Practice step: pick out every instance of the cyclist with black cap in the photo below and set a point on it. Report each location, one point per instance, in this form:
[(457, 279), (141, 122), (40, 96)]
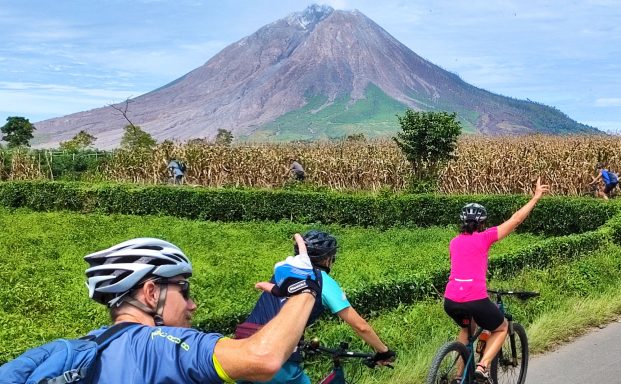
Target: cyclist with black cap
[(466, 292), (321, 248)]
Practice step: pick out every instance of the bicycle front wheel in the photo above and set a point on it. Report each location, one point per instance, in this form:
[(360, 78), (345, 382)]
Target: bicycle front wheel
[(510, 364), (448, 364)]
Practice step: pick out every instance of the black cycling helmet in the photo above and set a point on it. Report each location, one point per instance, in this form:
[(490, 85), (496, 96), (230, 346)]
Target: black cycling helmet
[(473, 212), (319, 245)]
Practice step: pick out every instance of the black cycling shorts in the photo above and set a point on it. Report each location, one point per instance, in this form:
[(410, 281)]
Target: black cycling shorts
[(484, 312)]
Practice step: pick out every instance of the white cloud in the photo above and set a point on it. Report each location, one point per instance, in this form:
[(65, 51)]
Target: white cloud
[(336, 4), (608, 102), (43, 101)]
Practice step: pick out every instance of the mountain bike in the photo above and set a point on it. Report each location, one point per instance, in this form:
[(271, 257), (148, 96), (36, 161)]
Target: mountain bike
[(455, 363), (338, 356)]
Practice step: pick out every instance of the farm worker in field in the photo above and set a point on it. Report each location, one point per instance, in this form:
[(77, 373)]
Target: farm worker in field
[(176, 169), (466, 291), (297, 170), (609, 179), (145, 281), (321, 248)]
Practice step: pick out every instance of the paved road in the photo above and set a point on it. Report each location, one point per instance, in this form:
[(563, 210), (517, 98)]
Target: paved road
[(592, 358)]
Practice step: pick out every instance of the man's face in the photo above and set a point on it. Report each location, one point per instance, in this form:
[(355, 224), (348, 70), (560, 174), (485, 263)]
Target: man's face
[(179, 307)]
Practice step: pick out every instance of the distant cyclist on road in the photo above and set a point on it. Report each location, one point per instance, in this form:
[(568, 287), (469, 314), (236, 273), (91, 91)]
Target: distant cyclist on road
[(321, 248), (609, 179), (145, 281), (466, 292)]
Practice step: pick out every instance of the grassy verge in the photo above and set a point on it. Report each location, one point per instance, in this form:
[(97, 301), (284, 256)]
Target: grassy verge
[(42, 293), (574, 297)]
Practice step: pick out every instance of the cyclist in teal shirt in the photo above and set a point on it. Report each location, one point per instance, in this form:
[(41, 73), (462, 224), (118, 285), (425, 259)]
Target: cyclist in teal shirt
[(145, 281), (321, 248)]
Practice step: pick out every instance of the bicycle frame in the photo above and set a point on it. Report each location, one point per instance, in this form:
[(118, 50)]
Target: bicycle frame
[(337, 375), (469, 365)]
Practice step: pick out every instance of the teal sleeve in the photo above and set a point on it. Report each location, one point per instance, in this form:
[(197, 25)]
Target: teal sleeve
[(332, 296)]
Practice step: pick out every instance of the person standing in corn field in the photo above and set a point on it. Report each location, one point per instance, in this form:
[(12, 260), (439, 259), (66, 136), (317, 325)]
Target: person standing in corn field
[(609, 179), (176, 169), (297, 170)]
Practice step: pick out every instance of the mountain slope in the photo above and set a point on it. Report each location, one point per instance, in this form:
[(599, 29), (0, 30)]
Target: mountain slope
[(317, 73)]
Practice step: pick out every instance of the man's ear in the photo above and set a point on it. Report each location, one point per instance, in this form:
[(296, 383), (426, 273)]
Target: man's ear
[(150, 293)]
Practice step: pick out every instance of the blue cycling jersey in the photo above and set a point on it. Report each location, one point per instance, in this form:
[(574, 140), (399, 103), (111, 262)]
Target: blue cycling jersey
[(147, 354), (609, 177)]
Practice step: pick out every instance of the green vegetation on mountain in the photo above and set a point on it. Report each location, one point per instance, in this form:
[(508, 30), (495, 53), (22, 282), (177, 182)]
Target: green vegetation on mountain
[(373, 116)]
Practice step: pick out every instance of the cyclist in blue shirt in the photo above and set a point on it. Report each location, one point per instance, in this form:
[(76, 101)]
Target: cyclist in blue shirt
[(609, 179), (145, 281), (321, 248), (176, 170)]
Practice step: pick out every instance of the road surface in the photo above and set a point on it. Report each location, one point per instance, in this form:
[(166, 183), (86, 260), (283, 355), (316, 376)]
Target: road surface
[(593, 358)]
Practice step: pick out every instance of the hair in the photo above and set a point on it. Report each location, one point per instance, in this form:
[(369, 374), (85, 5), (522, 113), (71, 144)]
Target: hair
[(471, 227)]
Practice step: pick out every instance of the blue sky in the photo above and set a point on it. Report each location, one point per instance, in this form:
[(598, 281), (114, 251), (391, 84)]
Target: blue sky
[(61, 57)]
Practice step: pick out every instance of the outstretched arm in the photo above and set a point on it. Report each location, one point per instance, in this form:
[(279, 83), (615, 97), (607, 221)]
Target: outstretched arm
[(362, 328), (597, 178), (383, 355), (518, 217), (260, 356)]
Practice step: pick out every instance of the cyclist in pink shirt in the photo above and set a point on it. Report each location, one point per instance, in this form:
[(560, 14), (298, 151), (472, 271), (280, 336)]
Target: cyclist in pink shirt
[(466, 291)]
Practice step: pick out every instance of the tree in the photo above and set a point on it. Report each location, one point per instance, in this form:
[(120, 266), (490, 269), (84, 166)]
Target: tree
[(135, 138), (123, 110), (224, 137), (82, 140), (428, 140), (17, 131)]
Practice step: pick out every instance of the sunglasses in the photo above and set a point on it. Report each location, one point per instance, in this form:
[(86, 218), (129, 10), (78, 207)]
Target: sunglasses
[(184, 284)]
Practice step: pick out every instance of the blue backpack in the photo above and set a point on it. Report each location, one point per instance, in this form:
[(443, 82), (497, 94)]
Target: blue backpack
[(60, 361), (613, 177)]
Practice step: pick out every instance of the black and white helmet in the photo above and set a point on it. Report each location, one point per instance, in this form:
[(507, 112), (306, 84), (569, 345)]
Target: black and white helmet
[(319, 245), (473, 212), (115, 271)]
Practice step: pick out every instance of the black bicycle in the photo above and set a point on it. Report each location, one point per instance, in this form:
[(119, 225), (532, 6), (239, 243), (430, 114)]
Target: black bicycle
[(338, 357), (455, 363)]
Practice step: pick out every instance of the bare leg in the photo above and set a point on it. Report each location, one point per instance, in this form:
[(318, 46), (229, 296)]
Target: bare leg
[(462, 337), (494, 343)]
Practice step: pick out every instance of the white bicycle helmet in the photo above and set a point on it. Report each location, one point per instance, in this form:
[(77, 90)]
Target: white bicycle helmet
[(473, 212), (115, 271)]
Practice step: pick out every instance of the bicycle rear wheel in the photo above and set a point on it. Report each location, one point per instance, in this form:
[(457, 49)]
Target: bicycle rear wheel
[(510, 367), (448, 363)]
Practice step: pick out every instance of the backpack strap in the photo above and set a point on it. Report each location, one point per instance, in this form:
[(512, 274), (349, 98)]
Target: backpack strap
[(112, 333), (102, 341)]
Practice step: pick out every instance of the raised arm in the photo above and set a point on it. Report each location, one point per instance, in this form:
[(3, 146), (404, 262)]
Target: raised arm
[(518, 217), (260, 356)]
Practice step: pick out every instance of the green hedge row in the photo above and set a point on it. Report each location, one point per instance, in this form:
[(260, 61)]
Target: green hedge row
[(553, 216), (583, 218)]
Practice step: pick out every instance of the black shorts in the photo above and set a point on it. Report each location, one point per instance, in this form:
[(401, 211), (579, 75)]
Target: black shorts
[(485, 313), (609, 187)]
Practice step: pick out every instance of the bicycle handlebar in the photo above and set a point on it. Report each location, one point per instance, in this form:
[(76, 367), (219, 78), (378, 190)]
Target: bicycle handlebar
[(522, 295), (314, 346)]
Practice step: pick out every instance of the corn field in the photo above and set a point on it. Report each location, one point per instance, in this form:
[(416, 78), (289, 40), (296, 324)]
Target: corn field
[(483, 164)]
